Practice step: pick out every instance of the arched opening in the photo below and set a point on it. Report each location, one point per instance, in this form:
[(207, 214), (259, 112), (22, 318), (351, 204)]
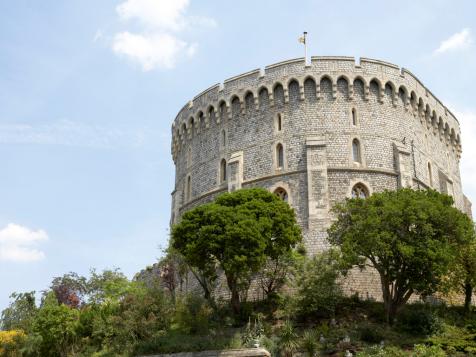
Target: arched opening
[(278, 93), (356, 152), (310, 89), (359, 88), (222, 171), (343, 88), (281, 193), (354, 117), (249, 101), (263, 98), (326, 88), (279, 156), (360, 191), (430, 175), (293, 90)]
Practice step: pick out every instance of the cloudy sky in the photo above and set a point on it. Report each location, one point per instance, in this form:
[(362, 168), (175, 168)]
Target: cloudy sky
[(89, 89)]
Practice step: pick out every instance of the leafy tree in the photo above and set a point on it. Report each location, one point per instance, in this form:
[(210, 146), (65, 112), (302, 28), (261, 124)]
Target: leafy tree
[(410, 238), (57, 324), (20, 313), (109, 285), (237, 233), (69, 289)]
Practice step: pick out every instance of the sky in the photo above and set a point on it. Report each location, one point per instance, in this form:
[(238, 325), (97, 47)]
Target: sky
[(89, 90)]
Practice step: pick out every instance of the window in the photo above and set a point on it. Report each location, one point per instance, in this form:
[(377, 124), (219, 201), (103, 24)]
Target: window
[(222, 171), (279, 156), (223, 138), (281, 193), (354, 117), (430, 175), (360, 191), (279, 122), (356, 155), (188, 191)]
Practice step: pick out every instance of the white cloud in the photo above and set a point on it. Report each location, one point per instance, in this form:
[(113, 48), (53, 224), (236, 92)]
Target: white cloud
[(18, 244), (151, 51), (159, 14), (459, 40), (160, 44)]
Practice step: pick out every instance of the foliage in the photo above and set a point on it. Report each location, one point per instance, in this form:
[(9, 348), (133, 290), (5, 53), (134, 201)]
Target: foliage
[(309, 342), (455, 339), (193, 314), (288, 340), (428, 351), (237, 233), (319, 291), (410, 238), (377, 351), (69, 289), (20, 312), (56, 324), (371, 333), (419, 319), (11, 342)]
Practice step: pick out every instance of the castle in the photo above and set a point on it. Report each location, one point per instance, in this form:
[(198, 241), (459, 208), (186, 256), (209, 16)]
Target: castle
[(315, 133)]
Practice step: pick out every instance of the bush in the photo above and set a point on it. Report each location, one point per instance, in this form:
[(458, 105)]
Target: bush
[(420, 320), (377, 351), (319, 292), (428, 351), (11, 342), (193, 314), (455, 339), (371, 334)]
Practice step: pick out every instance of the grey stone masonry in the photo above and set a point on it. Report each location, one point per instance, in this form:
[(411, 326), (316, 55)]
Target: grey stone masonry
[(315, 134)]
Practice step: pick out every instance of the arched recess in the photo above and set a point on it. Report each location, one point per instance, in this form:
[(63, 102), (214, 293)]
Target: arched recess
[(389, 92), (263, 96), (356, 151), (359, 88), (222, 109), (293, 91), (188, 189), (310, 89), (430, 175), (222, 171), (249, 102), (211, 114), (326, 88), (278, 94), (235, 106), (403, 95), (343, 88), (374, 89), (279, 156)]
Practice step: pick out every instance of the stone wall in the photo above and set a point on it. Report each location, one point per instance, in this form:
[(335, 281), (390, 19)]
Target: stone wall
[(406, 138)]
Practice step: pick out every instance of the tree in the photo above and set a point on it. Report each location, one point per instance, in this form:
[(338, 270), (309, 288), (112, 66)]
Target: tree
[(410, 238), (20, 313), (69, 289), (236, 233)]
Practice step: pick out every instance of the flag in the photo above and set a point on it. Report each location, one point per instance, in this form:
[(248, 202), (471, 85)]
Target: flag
[(302, 39)]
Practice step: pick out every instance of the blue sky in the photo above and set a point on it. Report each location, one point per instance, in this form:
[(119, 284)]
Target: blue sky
[(89, 89)]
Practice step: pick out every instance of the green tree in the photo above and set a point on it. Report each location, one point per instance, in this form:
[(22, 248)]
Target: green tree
[(20, 313), (410, 237), (57, 325), (237, 233)]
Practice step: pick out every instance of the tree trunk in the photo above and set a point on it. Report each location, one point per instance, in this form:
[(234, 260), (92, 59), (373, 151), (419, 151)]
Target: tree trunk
[(235, 294), (468, 294)]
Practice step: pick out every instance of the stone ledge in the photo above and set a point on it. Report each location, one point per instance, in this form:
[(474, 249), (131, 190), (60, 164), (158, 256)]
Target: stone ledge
[(244, 352)]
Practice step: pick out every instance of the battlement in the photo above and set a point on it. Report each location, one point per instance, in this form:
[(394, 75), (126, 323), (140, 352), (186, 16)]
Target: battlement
[(216, 102)]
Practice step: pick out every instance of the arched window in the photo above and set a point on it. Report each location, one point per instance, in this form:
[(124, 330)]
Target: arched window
[(430, 175), (354, 117), (281, 193), (279, 122), (360, 191), (222, 171), (279, 156), (356, 154), (188, 191), (223, 138)]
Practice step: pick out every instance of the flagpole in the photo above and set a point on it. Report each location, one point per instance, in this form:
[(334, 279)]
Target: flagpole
[(305, 49)]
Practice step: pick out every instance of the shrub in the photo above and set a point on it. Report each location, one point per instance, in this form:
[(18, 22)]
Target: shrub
[(419, 319), (318, 289), (288, 340), (193, 314), (11, 342), (309, 342), (377, 351), (428, 351), (455, 339), (371, 333)]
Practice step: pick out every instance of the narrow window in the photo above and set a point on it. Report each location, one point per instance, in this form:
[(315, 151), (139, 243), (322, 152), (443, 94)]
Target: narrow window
[(279, 156), (223, 138), (356, 155), (360, 191), (279, 122), (188, 192), (354, 117), (430, 175), (281, 193), (223, 170)]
